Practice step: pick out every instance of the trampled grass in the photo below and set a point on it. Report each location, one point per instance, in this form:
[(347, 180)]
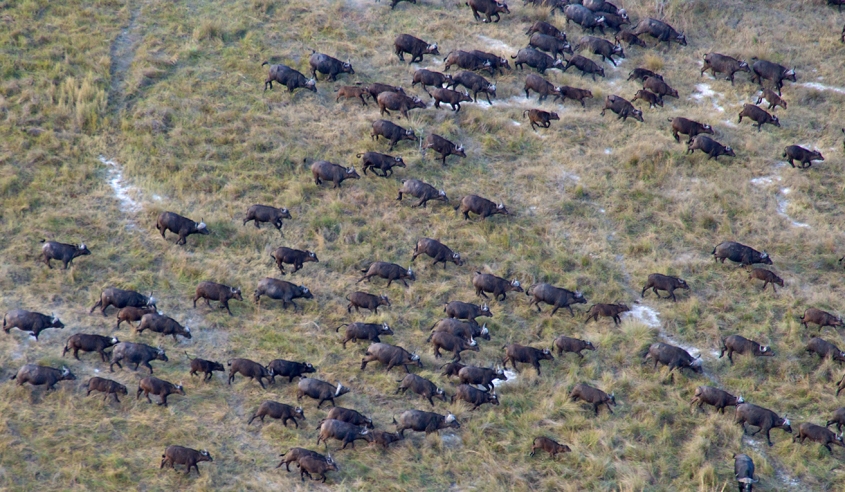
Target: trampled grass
[(171, 93)]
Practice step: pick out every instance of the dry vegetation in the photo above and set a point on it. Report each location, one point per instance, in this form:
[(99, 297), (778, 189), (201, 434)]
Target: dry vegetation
[(171, 92)]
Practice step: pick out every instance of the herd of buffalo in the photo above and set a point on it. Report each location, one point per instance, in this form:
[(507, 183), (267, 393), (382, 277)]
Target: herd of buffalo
[(459, 331)]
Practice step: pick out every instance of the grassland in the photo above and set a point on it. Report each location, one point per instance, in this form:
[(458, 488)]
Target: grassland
[(171, 93)]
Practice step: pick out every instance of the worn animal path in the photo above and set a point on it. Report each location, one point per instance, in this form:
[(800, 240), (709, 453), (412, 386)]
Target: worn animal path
[(122, 54)]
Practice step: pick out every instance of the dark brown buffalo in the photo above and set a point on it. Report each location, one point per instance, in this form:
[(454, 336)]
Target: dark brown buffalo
[(451, 343), (295, 454), (480, 206), (266, 213), (462, 329), (385, 438), (825, 349), (405, 43), (554, 296), (131, 313), (349, 416), (628, 37), (718, 63), (688, 127), (319, 390), (540, 118), (429, 77), (217, 292), (276, 410), (584, 17), (161, 388), (716, 397), (485, 282), (475, 397), (475, 83), (183, 226), (536, 59), (89, 343), (660, 31), (541, 86), (120, 299), (642, 74), (549, 44), (40, 375), (467, 311), (165, 325), (206, 367), (450, 97), (309, 465), (608, 311), (710, 147), (365, 331), (442, 146), (742, 346), (819, 434), (65, 253), (526, 355), (744, 472), (135, 353), (387, 271), (328, 171), (802, 155), (773, 99), (657, 281), (329, 66), (395, 101), (421, 190), (351, 92), (762, 418), (106, 386), (622, 107), (573, 93), (651, 98), (821, 318), (30, 321), (550, 446), (436, 250), (547, 29), (383, 162), (289, 369), (481, 376), (602, 47), (615, 21), (673, 357), (342, 431), (428, 422), (390, 356), (451, 369), (739, 253), (288, 77), (838, 418), (758, 115), (291, 256), (178, 455), (467, 61), (490, 8), (564, 343), (281, 291), (249, 369), (767, 276), (365, 300), (420, 386), (497, 63), (659, 87), (763, 69), (594, 396), (392, 132), (376, 88)]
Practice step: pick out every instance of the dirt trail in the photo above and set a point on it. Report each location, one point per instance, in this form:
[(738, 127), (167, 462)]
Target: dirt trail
[(122, 53)]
